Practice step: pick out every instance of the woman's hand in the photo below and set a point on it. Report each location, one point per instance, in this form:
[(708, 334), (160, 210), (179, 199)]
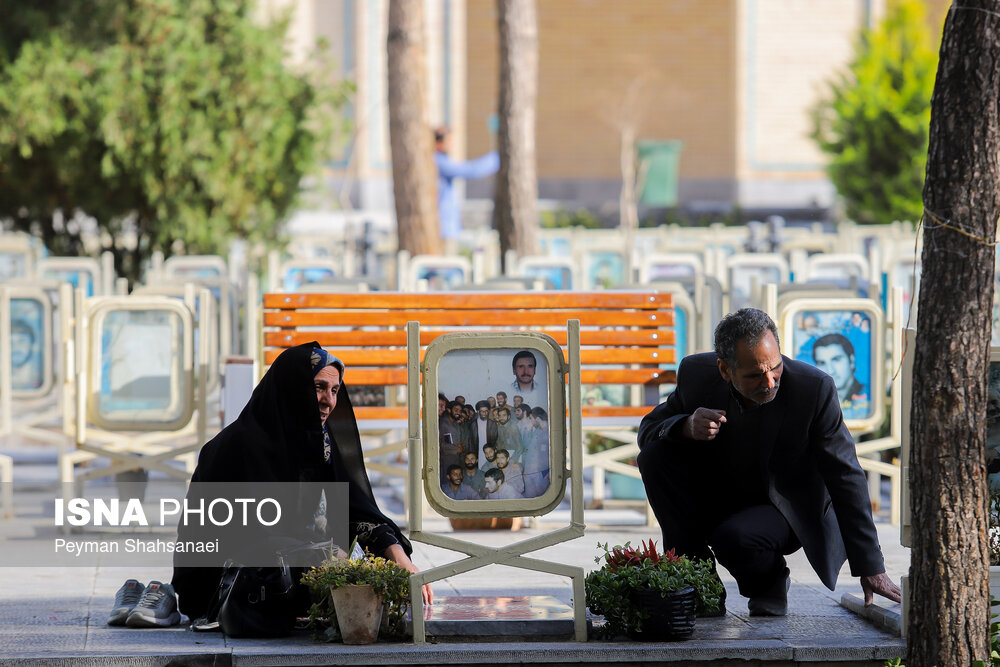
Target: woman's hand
[(396, 554)]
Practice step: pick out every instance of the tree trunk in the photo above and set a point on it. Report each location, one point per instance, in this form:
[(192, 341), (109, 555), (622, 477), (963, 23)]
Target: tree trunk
[(414, 176), (949, 582), (515, 214)]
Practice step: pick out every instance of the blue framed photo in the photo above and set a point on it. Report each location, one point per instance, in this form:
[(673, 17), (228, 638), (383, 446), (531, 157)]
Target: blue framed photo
[(605, 269), (441, 277), (13, 265), (78, 278), (305, 275), (842, 338), (141, 359), (561, 277), (27, 345)]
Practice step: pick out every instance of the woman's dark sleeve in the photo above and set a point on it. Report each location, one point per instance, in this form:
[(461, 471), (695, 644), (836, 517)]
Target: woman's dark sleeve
[(374, 537)]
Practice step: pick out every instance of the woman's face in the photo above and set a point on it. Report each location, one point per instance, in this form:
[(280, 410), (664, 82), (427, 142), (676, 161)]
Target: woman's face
[(327, 384)]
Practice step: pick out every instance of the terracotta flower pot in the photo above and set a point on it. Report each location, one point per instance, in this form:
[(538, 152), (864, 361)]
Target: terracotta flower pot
[(359, 613)]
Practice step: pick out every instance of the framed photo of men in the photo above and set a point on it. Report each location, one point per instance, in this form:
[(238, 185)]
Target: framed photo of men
[(845, 338), (494, 424)]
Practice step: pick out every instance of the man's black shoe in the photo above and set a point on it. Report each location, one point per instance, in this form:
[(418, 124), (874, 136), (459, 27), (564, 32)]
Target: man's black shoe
[(773, 604)]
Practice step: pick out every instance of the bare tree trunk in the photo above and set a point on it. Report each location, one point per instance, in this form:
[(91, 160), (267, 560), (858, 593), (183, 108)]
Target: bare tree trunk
[(950, 612), (515, 206), (414, 177)]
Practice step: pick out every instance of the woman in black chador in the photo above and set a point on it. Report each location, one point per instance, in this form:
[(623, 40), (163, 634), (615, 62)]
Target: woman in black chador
[(298, 426)]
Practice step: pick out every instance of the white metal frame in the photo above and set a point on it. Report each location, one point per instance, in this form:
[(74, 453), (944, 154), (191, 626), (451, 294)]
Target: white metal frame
[(149, 445), (512, 555)]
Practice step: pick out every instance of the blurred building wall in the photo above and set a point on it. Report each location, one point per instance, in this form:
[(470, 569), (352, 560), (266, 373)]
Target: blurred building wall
[(734, 80)]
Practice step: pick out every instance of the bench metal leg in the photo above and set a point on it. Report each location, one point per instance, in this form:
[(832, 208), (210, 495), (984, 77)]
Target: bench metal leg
[(6, 486)]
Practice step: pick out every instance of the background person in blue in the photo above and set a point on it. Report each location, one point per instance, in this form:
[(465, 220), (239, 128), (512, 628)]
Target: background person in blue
[(448, 171)]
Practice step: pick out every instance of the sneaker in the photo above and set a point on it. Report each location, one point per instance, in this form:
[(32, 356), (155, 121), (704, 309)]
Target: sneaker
[(126, 599), (156, 609)]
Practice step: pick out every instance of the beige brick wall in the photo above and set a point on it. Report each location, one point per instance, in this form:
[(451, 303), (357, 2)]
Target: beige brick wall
[(591, 52)]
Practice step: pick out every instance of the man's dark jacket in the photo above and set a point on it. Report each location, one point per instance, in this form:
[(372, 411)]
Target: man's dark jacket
[(813, 474), (492, 435)]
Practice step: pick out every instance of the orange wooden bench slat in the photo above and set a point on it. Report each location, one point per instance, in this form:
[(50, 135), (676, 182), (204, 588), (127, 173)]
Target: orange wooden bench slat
[(612, 355), (470, 318), (397, 376), (470, 300), (591, 411), (397, 338)]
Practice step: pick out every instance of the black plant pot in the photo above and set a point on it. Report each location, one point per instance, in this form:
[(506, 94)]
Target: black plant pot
[(669, 618)]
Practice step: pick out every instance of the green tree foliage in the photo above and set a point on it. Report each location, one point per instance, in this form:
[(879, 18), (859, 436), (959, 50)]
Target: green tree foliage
[(874, 123), (161, 120)]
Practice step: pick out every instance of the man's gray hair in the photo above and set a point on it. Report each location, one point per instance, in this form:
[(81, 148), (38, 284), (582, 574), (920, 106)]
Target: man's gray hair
[(746, 324)]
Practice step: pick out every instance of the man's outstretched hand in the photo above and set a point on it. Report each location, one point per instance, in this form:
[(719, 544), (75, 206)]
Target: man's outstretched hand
[(881, 584)]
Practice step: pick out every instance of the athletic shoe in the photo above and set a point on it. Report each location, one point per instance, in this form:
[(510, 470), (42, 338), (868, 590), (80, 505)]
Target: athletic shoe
[(156, 609), (126, 599)]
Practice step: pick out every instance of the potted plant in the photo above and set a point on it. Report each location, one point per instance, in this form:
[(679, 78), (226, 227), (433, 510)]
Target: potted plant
[(650, 596), (354, 598)]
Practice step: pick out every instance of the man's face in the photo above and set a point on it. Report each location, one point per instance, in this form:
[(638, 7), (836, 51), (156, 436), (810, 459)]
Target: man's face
[(524, 369), (490, 454), (491, 401), (484, 412), (442, 406), (456, 412), (491, 485), (471, 461), (501, 400), (503, 416), (758, 372), (517, 401), (501, 461), (469, 412), (833, 360), (455, 476), (327, 384), (519, 413), (538, 422)]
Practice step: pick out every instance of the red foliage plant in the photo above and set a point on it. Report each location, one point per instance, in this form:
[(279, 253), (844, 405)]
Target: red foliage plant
[(631, 556)]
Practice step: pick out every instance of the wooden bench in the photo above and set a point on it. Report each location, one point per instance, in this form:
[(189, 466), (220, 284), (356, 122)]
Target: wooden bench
[(627, 339)]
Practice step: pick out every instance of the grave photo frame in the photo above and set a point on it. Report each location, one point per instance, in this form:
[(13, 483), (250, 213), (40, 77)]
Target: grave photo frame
[(482, 363), (666, 267), (560, 271), (80, 272), (119, 332), (30, 342), (438, 272), (849, 336)]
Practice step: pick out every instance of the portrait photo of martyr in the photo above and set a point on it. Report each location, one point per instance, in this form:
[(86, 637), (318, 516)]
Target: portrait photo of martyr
[(840, 344), (27, 344)]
